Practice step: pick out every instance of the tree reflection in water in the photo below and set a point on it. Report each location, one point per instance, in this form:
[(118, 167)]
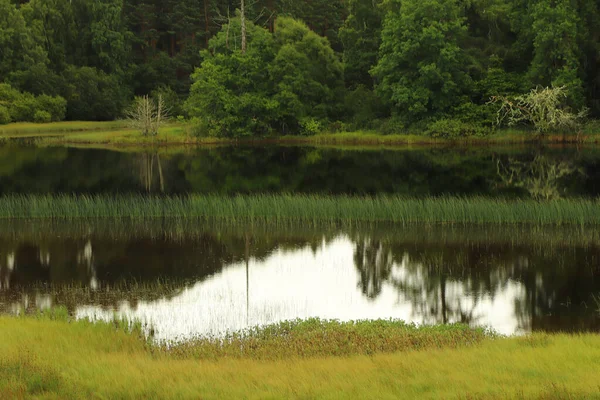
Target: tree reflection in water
[(539, 280), (147, 174), (290, 169), (541, 177), (553, 288), (374, 263)]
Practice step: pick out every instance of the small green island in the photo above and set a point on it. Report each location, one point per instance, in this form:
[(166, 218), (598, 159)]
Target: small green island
[(312, 199)]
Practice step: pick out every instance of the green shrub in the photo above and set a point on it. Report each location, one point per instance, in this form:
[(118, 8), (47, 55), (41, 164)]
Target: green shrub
[(392, 126), (471, 113), (310, 126), (364, 106), (23, 106), (42, 117), (4, 115), (93, 95), (453, 129), (197, 128), (337, 126), (55, 106)]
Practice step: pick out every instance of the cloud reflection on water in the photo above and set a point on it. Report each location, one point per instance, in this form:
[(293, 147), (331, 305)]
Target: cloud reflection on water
[(304, 283)]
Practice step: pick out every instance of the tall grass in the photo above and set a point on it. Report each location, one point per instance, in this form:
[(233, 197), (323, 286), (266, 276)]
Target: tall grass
[(178, 229), (57, 359), (309, 209)]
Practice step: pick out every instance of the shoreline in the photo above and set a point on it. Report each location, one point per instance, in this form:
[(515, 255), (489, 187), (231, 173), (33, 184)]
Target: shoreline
[(116, 134)]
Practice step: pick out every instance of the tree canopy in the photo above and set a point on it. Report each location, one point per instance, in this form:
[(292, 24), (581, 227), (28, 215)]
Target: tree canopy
[(311, 64)]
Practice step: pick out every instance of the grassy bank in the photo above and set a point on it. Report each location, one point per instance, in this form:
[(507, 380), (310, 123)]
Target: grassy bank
[(308, 209), (117, 133), (58, 359), (30, 129)]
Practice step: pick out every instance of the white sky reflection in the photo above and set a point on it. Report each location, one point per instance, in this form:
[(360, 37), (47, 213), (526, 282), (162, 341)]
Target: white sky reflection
[(291, 284)]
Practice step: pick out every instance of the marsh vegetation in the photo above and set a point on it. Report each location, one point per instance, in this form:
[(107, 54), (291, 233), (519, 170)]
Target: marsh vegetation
[(108, 361), (250, 270)]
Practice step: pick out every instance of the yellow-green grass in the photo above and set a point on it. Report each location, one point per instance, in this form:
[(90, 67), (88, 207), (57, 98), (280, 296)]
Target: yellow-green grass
[(56, 359), (126, 136), (117, 134), (29, 129), (309, 209), (502, 136), (177, 134)]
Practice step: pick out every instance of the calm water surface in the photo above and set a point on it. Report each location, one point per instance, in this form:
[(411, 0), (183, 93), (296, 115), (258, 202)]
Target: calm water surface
[(536, 172), (184, 279)]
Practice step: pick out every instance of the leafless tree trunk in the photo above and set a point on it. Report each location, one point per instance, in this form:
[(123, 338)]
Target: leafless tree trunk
[(243, 22), (147, 115)]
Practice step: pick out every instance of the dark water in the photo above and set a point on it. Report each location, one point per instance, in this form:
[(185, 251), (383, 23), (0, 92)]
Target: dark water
[(535, 172), (191, 278), (187, 278)]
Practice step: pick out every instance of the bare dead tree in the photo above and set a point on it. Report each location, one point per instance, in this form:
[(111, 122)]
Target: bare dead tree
[(544, 108), (147, 115)]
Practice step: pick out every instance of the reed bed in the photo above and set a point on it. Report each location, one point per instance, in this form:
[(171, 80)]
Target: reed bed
[(308, 209), (43, 230)]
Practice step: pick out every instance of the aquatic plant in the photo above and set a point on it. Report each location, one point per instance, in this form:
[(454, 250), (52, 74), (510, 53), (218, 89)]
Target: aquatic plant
[(308, 209)]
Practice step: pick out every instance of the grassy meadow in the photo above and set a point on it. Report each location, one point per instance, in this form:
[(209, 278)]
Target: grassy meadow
[(29, 129), (119, 134), (55, 358), (307, 208)]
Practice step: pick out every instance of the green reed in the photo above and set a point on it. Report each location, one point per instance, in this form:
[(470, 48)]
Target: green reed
[(306, 208)]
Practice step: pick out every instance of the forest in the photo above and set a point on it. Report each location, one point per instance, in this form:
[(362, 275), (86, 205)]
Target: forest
[(276, 67)]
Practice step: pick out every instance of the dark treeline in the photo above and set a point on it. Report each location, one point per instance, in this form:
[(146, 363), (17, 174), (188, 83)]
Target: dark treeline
[(309, 65), (99, 54)]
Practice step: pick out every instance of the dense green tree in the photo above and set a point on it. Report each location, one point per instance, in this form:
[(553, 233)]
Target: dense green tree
[(19, 47), (417, 61), (555, 30), (231, 94), (421, 69), (286, 82), (361, 36), (306, 74), (93, 94)]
